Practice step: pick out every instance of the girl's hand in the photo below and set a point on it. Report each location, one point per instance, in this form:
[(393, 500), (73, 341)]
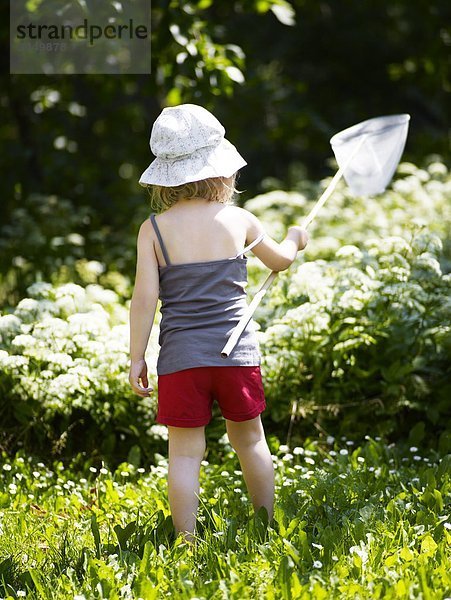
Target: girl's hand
[(303, 237), (138, 371)]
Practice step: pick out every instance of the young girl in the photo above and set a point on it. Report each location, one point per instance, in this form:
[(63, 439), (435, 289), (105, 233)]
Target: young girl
[(191, 256)]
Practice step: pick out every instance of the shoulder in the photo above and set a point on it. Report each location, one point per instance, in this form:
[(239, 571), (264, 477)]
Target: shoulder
[(146, 232), (146, 227), (253, 226), (246, 217)]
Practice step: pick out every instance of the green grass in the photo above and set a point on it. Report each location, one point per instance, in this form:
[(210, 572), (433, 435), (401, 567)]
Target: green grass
[(366, 520)]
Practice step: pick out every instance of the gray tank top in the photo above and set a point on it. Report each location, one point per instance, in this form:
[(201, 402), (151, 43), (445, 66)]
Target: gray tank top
[(201, 302)]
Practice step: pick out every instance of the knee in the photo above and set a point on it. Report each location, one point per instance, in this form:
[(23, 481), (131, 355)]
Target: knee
[(243, 437), (189, 445)]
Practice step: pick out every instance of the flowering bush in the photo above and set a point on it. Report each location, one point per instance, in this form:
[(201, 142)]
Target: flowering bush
[(417, 198), (364, 335), (64, 362), (50, 239), (359, 325)]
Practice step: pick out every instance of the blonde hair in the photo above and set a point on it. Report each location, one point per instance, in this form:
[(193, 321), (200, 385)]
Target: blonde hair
[(214, 189)]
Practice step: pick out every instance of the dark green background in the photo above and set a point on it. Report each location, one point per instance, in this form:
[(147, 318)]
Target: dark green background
[(340, 63)]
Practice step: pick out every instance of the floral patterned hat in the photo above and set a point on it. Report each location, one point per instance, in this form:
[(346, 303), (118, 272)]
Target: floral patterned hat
[(189, 145)]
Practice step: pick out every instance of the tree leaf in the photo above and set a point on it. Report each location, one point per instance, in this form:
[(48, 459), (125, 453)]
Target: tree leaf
[(284, 13)]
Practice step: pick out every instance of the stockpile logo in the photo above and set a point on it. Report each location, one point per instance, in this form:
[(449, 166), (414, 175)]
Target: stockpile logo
[(80, 36)]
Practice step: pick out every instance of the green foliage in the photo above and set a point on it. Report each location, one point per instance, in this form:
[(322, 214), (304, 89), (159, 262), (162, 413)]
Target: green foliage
[(363, 337), (64, 365), (361, 330), (267, 68), (418, 197), (48, 239), (190, 49), (351, 520)]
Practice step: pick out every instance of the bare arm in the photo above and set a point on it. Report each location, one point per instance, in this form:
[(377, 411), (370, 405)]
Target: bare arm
[(276, 256), (142, 308)]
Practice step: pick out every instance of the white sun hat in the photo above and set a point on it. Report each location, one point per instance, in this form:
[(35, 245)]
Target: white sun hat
[(189, 145)]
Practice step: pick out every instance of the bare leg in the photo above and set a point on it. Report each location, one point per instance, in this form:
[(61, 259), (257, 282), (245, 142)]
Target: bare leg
[(248, 440), (186, 450)]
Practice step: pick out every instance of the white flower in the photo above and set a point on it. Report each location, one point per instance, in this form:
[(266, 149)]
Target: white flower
[(344, 452), (353, 299), (396, 244), (50, 327), (427, 242), (60, 359), (27, 307), (75, 239), (70, 298), (311, 280), (298, 450), (96, 293), (360, 551), (350, 251), (71, 385), (13, 361), (95, 267), (70, 289), (23, 340), (159, 432), (40, 289), (94, 322), (437, 168), (428, 262), (284, 448), (317, 564), (9, 325)]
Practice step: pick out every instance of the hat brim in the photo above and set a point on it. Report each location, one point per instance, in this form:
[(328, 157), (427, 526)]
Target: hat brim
[(222, 161)]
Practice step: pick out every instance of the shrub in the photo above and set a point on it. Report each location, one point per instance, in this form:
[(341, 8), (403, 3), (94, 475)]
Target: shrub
[(418, 197), (355, 339), (64, 365), (50, 239), (362, 338)]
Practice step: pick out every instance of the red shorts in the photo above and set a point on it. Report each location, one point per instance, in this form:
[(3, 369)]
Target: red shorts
[(185, 398)]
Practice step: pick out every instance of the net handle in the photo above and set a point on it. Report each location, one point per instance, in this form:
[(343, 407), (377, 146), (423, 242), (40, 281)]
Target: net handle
[(246, 317)]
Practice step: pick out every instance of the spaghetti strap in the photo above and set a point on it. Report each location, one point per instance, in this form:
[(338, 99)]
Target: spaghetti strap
[(160, 239), (252, 244)]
